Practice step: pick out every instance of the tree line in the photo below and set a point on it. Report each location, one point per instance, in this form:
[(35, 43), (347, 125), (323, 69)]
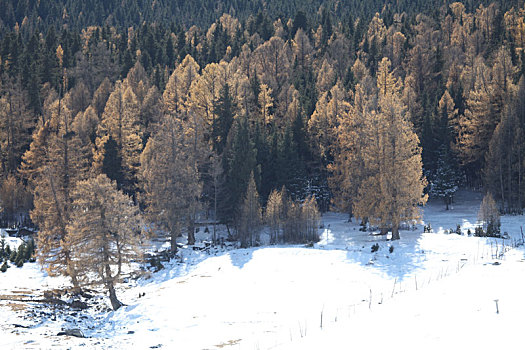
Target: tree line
[(81, 14)]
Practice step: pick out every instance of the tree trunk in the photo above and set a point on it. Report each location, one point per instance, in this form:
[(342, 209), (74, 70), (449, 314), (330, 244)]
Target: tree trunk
[(350, 213), (191, 233), (228, 230), (107, 276), (510, 193), (214, 211), (395, 233), (519, 176), (173, 238), (74, 280), (502, 184), (115, 303), (519, 163), (119, 261)]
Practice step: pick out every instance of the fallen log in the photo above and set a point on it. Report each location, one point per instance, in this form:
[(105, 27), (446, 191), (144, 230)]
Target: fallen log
[(74, 332)]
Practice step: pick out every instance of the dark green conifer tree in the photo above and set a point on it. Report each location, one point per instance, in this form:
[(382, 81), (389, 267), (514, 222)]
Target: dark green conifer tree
[(112, 163), (224, 110), (445, 178), (239, 161)]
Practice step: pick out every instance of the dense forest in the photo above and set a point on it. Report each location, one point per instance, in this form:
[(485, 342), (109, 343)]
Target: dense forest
[(130, 13), (254, 112)]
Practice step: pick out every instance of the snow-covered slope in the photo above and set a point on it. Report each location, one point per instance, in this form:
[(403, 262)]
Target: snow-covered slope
[(433, 290), (457, 312)]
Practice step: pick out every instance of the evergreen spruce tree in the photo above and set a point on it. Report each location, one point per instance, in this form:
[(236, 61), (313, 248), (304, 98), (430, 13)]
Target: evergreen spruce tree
[(445, 179), (250, 216), (112, 162), (291, 171), (224, 111), (239, 162)]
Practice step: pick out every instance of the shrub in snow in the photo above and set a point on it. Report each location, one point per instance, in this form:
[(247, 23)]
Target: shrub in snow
[(24, 253), (21, 252), (391, 249), (478, 232), (490, 232), (493, 229), (2, 249), (375, 248), (458, 230), (12, 256), (155, 263), (29, 249), (4, 267), (7, 251)]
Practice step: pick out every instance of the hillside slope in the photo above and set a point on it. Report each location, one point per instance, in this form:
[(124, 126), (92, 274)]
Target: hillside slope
[(434, 288)]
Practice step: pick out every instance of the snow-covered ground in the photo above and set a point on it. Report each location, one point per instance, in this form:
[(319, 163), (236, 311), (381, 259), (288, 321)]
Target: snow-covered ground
[(434, 290)]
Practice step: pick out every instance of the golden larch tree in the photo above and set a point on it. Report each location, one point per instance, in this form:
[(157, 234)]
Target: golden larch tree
[(104, 233), (177, 92), (274, 213), (347, 170), (393, 188), (120, 122), (53, 165), (302, 48), (266, 102), (16, 119), (331, 107), (171, 179)]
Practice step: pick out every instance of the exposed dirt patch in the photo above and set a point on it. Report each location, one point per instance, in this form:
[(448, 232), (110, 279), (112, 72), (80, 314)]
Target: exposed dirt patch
[(15, 297), (27, 292), (16, 306), (229, 343)]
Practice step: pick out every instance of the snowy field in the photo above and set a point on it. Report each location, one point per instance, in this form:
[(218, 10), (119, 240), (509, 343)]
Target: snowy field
[(433, 291)]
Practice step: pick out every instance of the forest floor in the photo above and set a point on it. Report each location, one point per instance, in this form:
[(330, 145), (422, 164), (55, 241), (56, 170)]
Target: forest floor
[(430, 290)]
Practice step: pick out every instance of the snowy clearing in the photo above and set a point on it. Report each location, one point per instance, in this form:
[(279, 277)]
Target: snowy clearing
[(433, 290)]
